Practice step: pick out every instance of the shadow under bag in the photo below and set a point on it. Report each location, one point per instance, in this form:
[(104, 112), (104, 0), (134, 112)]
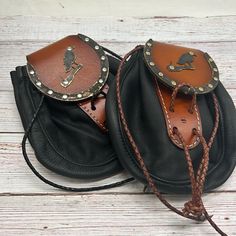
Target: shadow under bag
[(172, 123), (60, 95)]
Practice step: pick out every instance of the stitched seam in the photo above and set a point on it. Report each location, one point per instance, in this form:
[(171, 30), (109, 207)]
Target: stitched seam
[(94, 118), (169, 123)]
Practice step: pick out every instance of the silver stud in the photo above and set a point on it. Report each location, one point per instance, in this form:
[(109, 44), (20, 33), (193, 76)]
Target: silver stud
[(31, 72), (160, 74), (104, 69), (171, 67), (215, 69), (103, 58), (69, 48), (96, 47), (201, 89), (65, 82), (215, 78), (86, 39), (210, 85), (148, 53), (100, 81), (191, 53), (39, 83), (79, 95), (210, 59), (152, 63), (149, 44), (64, 96), (50, 92), (173, 82)]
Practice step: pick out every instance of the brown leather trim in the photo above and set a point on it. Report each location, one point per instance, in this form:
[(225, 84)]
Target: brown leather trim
[(180, 118), (98, 115)]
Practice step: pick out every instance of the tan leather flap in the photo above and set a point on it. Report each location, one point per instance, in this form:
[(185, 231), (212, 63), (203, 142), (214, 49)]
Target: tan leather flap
[(71, 69), (174, 65)]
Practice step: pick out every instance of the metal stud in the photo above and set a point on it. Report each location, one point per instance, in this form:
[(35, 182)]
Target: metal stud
[(191, 53), (103, 58), (210, 85), (148, 53), (96, 47), (100, 81), (173, 82), (104, 69), (210, 59), (201, 89), (160, 74), (215, 78), (50, 92), (86, 39), (38, 83), (152, 63), (171, 67), (65, 82), (64, 96), (215, 69), (69, 48), (79, 95), (31, 72), (149, 44)]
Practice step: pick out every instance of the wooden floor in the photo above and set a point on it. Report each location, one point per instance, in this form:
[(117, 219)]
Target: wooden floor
[(29, 207)]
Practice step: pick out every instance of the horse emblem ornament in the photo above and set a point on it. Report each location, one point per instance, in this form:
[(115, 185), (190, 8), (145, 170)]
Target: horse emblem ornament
[(184, 63), (71, 66)]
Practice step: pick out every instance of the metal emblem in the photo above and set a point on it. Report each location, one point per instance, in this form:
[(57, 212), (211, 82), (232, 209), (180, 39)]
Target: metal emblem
[(185, 62), (71, 66)]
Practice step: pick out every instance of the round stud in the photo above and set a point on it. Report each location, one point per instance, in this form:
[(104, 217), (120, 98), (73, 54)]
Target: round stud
[(64, 96), (152, 63), (50, 92), (65, 82), (38, 83), (215, 69), (103, 58), (69, 48), (160, 74), (31, 72), (148, 53), (210, 59), (171, 67), (79, 95), (191, 53), (201, 89), (173, 82), (86, 39), (215, 78), (100, 81), (210, 85), (104, 69), (96, 47), (149, 44)]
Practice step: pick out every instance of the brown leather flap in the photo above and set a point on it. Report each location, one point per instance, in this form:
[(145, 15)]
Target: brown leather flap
[(71, 69), (174, 65)]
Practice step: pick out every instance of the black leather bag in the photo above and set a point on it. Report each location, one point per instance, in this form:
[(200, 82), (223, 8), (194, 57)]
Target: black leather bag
[(68, 134), (172, 123)]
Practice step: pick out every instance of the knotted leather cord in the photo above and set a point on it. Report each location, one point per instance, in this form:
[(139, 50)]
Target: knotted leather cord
[(196, 184), (25, 155)]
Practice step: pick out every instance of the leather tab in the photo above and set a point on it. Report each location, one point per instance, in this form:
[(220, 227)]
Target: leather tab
[(97, 115), (174, 65)]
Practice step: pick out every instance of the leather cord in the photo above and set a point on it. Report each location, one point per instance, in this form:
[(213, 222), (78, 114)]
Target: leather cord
[(198, 214)]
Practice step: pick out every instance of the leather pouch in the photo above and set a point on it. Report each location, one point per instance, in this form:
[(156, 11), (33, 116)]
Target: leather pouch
[(60, 95), (172, 123)]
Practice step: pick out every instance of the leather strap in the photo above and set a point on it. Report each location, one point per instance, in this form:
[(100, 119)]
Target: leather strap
[(97, 114)]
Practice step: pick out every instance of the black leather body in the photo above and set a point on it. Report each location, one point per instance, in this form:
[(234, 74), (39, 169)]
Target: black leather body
[(64, 137), (164, 160)]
